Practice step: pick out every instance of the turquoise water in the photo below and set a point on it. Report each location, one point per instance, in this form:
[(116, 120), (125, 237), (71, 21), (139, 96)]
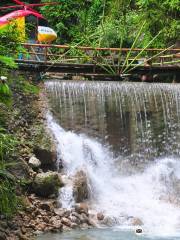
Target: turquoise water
[(101, 234)]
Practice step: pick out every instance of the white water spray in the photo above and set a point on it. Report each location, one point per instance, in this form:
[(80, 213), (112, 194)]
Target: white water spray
[(151, 195)]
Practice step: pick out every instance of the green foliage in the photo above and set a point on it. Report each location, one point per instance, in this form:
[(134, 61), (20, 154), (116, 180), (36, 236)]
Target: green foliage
[(9, 40), (9, 45), (7, 147), (5, 93), (24, 86), (3, 115), (4, 89), (27, 87), (161, 16), (115, 23), (9, 61), (64, 18), (30, 88), (8, 200)]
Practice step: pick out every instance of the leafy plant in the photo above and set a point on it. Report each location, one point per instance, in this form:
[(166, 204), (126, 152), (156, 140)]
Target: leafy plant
[(8, 200), (10, 39)]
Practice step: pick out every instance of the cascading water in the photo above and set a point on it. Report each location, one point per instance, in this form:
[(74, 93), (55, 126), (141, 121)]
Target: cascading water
[(126, 138)]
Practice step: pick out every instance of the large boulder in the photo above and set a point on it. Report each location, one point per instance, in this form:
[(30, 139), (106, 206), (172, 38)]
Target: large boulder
[(80, 187), (44, 148), (46, 184), (46, 156)]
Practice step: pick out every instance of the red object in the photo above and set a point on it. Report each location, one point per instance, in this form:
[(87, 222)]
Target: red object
[(18, 2), (23, 4), (27, 10), (29, 5), (17, 14)]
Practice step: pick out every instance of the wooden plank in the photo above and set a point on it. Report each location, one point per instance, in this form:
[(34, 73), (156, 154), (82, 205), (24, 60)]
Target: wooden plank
[(91, 68), (99, 48)]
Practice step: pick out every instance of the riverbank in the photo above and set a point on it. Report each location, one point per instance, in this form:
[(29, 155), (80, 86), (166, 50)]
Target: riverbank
[(37, 179)]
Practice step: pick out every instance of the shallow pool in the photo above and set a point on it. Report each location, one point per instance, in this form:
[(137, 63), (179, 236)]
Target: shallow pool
[(102, 234)]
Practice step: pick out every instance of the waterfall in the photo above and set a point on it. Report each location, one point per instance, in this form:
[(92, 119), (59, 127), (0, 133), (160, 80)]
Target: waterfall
[(136, 173)]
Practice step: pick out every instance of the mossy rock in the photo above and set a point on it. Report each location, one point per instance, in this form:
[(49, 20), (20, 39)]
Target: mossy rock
[(46, 184), (44, 148)]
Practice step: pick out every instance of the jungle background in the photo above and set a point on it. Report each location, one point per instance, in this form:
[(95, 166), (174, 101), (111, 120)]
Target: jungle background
[(112, 23)]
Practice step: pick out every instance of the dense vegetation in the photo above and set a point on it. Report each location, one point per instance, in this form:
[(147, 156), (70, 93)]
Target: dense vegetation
[(8, 201), (115, 22)]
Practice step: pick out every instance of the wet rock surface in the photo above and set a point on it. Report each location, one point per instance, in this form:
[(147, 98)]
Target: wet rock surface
[(46, 184), (100, 216), (47, 156), (42, 215), (80, 187), (136, 221)]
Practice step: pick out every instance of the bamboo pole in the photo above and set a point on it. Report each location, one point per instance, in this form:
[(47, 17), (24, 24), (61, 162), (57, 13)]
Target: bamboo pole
[(140, 64), (97, 48), (140, 52)]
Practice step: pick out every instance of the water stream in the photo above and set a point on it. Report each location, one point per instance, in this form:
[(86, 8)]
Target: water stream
[(126, 138)]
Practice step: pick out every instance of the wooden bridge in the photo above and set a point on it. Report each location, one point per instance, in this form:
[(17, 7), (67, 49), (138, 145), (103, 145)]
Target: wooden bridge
[(98, 61)]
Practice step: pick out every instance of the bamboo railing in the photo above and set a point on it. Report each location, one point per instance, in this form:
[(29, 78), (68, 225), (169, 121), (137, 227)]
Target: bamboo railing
[(113, 60)]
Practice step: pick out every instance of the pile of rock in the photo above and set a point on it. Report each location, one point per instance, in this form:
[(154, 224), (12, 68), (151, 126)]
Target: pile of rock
[(45, 216)]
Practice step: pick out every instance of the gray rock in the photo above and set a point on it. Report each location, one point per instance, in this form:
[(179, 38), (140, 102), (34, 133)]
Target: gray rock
[(108, 221), (48, 206), (3, 236), (80, 187), (66, 228), (67, 213), (54, 219), (44, 148), (136, 222), (92, 223), (81, 208), (100, 216), (75, 214), (60, 212), (75, 218), (47, 157), (84, 218), (66, 222), (74, 225), (58, 224), (34, 162), (84, 226), (46, 184)]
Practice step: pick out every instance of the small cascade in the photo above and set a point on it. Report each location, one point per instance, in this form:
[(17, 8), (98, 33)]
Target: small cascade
[(125, 137), (138, 118)]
